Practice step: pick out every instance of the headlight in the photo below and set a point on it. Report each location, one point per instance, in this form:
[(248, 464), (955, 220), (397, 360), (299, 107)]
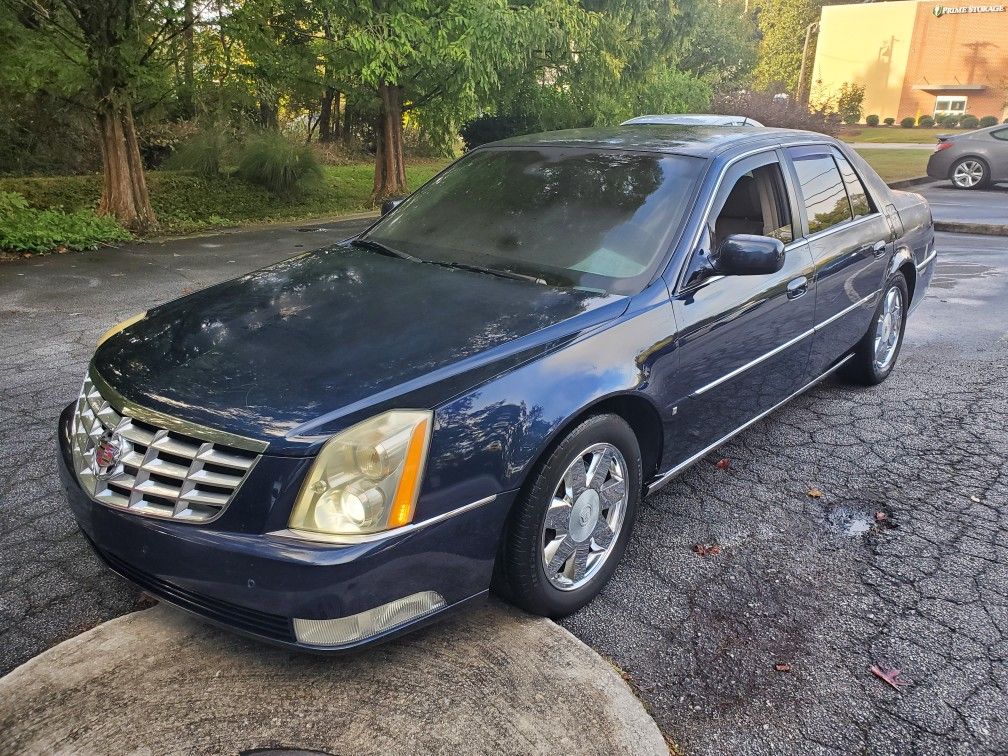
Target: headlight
[(366, 479), (120, 327)]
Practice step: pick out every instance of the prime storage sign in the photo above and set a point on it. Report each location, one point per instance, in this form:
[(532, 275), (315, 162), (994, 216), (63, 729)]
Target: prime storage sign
[(944, 10)]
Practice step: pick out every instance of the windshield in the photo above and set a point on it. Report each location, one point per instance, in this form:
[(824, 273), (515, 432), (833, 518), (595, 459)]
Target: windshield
[(573, 217)]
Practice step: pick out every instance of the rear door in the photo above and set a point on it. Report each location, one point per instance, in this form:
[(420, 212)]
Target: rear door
[(743, 340), (850, 241)]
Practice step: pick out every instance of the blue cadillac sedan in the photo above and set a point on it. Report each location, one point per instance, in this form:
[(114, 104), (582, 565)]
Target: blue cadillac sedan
[(476, 392)]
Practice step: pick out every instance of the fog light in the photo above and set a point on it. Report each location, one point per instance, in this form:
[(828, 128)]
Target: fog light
[(358, 627)]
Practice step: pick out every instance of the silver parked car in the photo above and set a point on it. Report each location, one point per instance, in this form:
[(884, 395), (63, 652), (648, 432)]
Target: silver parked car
[(973, 159)]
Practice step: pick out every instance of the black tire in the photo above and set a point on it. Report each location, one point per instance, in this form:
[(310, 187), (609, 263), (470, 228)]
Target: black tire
[(981, 164), (520, 575), (863, 368)]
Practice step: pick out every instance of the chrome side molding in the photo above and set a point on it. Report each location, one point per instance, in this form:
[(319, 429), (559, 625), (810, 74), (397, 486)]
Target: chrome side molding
[(667, 476)]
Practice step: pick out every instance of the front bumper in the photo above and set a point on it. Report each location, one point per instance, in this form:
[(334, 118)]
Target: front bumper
[(256, 583)]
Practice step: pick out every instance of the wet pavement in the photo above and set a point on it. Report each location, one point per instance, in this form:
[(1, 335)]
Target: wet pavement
[(821, 584)]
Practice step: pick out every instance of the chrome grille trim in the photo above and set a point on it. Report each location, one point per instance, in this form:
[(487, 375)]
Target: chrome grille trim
[(160, 472)]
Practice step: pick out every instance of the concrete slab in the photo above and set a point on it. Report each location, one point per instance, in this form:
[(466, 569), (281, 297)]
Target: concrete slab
[(489, 681)]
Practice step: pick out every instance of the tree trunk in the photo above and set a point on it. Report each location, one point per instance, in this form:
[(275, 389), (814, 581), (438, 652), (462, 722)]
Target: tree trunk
[(346, 130), (187, 99), (390, 171), (124, 191), (325, 124)]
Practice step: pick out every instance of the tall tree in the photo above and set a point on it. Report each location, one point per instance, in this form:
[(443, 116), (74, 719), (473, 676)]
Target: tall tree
[(109, 50), (783, 24)]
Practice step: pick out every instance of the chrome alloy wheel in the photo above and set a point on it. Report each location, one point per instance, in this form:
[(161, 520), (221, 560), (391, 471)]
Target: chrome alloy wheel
[(888, 327), (585, 516), (968, 174)]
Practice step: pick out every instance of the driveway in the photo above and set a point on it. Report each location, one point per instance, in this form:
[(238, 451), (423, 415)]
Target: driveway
[(948, 204), (817, 584)]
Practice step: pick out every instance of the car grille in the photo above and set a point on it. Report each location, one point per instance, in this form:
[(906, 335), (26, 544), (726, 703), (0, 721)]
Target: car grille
[(138, 467)]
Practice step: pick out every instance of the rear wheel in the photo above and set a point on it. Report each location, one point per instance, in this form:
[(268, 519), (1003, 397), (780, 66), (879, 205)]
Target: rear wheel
[(969, 173), (570, 527), (876, 353)]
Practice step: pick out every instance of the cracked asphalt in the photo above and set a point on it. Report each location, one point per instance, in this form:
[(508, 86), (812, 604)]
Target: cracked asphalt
[(816, 583)]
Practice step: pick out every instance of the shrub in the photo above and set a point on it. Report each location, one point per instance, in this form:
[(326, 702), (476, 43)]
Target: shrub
[(25, 229), (777, 110), (948, 121), (202, 154), (872, 120), (925, 122), (278, 164), (969, 122), (988, 120), (889, 121), (908, 122), (849, 103), (490, 128)]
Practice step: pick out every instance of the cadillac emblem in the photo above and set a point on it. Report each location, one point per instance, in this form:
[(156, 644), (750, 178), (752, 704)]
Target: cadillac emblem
[(106, 455)]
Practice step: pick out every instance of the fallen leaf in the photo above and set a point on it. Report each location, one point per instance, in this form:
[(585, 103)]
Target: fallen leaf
[(144, 601), (975, 498), (889, 676), (186, 290), (705, 550), (782, 667), (723, 464), (881, 516), (814, 492)]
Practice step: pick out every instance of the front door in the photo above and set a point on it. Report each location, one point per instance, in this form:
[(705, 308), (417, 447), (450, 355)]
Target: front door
[(743, 340)]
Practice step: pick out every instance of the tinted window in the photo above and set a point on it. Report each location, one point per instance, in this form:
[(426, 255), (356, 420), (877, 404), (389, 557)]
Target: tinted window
[(580, 217), (825, 197), (1000, 134), (860, 202)]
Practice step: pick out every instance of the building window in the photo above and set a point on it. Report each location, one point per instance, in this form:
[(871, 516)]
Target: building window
[(950, 106)]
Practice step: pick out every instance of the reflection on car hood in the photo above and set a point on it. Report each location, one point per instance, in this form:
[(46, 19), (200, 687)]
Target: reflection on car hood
[(318, 342)]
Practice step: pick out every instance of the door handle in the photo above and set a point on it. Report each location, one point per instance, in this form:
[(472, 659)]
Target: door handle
[(797, 287), (879, 249)]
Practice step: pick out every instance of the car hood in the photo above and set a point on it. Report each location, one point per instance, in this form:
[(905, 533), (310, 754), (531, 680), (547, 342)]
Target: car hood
[(296, 351)]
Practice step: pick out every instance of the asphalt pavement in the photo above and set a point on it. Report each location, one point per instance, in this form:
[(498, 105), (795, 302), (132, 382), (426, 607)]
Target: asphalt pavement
[(820, 588), (988, 206)]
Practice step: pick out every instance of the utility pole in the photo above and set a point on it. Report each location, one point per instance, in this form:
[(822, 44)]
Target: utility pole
[(804, 86)]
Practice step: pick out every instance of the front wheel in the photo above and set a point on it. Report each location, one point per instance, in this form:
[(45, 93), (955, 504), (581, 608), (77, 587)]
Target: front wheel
[(876, 353), (571, 525), (969, 173)]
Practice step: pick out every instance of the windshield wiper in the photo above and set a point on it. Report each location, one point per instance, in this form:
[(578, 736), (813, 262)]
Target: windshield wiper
[(383, 249), (491, 271)]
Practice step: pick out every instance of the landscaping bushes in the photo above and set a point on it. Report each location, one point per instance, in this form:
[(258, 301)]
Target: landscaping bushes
[(988, 120), (925, 122), (278, 164), (872, 120), (204, 154), (969, 122), (908, 122), (889, 121), (26, 229)]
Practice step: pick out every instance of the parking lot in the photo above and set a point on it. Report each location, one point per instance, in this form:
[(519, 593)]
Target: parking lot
[(763, 646)]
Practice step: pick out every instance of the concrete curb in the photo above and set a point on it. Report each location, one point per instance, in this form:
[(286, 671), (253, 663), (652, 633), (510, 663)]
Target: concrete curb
[(488, 681), (907, 183), (984, 229)]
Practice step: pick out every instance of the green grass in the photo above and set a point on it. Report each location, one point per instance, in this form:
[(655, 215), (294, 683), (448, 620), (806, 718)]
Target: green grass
[(892, 134), (185, 203), (893, 165)]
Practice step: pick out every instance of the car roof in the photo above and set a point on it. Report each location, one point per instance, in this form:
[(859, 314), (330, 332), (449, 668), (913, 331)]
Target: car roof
[(694, 119), (698, 141)]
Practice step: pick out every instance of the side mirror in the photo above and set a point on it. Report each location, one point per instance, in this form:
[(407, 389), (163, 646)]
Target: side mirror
[(390, 204), (749, 255)]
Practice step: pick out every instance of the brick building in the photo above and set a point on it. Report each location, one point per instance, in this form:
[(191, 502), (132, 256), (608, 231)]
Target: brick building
[(915, 57)]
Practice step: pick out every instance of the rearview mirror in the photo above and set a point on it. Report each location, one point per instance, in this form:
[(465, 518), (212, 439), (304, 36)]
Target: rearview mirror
[(390, 204), (749, 255)]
